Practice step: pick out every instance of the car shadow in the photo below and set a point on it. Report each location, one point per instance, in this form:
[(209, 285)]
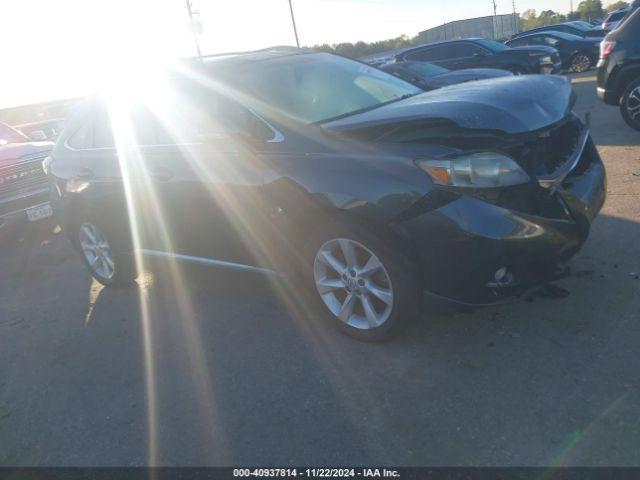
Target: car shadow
[(245, 371)]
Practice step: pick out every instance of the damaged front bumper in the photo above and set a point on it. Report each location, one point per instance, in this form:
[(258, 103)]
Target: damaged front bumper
[(475, 252)]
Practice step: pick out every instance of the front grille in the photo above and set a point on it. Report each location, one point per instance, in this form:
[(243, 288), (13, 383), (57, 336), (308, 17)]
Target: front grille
[(22, 203), (22, 178)]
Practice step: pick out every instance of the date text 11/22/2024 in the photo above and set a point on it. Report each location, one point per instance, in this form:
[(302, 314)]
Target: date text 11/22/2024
[(316, 472)]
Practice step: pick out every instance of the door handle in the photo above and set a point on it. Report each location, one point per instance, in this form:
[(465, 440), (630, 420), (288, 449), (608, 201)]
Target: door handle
[(161, 174)]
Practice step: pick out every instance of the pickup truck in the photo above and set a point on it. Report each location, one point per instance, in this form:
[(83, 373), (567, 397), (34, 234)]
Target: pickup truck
[(24, 191)]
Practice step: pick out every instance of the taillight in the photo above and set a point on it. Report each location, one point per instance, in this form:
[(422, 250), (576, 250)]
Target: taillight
[(606, 47), (606, 25)]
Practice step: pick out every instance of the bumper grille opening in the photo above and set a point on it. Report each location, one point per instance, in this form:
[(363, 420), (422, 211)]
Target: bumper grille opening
[(554, 148), (550, 150)]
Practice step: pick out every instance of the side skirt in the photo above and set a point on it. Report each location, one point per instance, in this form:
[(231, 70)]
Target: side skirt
[(207, 261)]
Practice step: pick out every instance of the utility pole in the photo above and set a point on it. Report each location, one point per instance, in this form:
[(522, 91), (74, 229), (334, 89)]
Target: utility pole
[(191, 12), (495, 9), (293, 20)]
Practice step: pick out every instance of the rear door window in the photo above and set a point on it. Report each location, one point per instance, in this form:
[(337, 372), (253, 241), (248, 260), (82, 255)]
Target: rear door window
[(463, 50), (432, 54)]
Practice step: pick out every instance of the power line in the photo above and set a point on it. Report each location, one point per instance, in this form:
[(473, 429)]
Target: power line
[(293, 20)]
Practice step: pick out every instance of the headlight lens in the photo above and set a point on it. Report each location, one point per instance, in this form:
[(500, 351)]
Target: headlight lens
[(477, 170), (546, 60), (76, 185)]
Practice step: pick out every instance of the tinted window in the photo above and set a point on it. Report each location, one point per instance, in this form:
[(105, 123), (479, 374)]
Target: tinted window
[(467, 50), (616, 17), (443, 52), (519, 42), (492, 45), (549, 40), (83, 137)]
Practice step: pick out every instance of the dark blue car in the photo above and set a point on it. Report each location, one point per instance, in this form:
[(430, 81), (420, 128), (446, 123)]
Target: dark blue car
[(578, 54)]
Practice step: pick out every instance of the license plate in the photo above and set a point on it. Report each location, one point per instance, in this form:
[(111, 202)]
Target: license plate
[(38, 213)]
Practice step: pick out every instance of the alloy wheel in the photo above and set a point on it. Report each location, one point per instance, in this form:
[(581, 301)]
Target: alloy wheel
[(633, 104), (580, 63), (96, 251), (353, 283)]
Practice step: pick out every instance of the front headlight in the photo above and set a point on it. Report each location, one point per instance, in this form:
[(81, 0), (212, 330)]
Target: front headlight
[(476, 170), (76, 185), (546, 60)]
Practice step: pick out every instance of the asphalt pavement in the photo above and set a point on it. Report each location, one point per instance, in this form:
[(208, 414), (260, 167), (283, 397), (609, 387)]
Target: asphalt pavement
[(212, 368)]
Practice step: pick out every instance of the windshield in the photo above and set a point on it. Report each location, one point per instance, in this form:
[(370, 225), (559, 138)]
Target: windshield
[(426, 69), (493, 45), (10, 135), (318, 87)]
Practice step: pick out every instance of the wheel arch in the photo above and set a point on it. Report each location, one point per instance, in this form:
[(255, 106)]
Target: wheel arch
[(626, 75), (365, 215)]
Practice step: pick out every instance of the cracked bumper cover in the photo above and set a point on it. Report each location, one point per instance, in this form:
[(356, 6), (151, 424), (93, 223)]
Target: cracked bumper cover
[(468, 240)]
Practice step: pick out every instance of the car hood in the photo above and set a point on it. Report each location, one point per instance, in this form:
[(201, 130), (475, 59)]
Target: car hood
[(14, 152), (515, 104), (466, 75)]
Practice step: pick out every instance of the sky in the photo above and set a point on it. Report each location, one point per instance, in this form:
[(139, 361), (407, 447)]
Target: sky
[(64, 48)]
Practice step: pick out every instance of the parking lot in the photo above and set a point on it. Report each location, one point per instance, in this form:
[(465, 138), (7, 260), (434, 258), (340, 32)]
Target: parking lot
[(221, 369)]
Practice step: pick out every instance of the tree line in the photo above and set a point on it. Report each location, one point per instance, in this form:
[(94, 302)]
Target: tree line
[(587, 10)]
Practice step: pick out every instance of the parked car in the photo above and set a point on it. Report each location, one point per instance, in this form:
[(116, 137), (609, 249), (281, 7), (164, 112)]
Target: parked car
[(596, 22), (578, 54), (614, 18), (359, 185), (24, 191), (479, 53), (619, 69), (568, 27), (429, 76)]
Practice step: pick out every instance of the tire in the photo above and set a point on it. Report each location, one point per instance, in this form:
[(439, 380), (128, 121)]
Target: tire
[(106, 259), (367, 305), (580, 62), (630, 104)]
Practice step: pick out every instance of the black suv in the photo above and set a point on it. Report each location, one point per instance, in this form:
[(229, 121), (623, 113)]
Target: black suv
[(350, 181), (578, 54), (482, 53), (619, 69)]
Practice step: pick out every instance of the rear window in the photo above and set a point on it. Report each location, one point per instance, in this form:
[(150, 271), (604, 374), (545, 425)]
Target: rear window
[(616, 17)]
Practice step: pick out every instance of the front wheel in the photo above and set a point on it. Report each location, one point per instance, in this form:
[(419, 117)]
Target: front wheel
[(105, 263), (580, 62), (366, 285), (630, 105)]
